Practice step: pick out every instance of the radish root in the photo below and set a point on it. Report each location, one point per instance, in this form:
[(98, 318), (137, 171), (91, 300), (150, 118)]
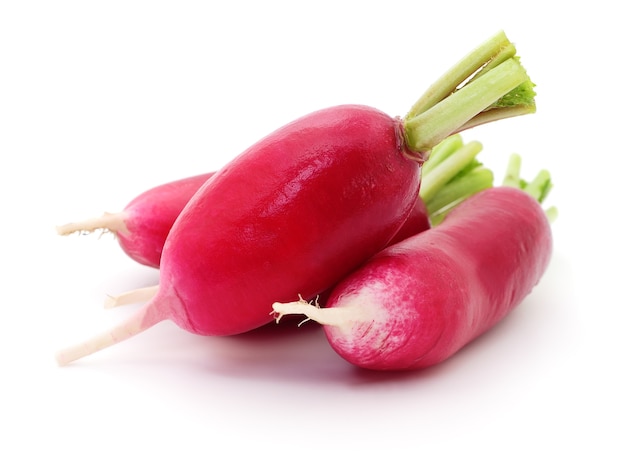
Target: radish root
[(108, 222), (133, 296), (139, 322), (325, 316)]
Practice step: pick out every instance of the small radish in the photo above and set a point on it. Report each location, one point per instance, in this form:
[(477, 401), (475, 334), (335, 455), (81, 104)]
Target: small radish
[(418, 302), (457, 175), (143, 225), (307, 204)]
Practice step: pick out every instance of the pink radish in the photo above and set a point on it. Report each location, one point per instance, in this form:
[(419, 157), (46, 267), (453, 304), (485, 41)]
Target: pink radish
[(143, 225), (307, 204), (418, 302)]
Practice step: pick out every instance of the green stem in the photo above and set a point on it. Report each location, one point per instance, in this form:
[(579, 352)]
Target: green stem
[(456, 191), (487, 85), (450, 167), (538, 188), (512, 176), (453, 174), (441, 151), (497, 45), (452, 113)]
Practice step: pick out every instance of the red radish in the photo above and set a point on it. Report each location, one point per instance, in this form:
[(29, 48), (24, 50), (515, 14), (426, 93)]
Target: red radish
[(307, 204), (455, 176), (143, 225), (418, 302)]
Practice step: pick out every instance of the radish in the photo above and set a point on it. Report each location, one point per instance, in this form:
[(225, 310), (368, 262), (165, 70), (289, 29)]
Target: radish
[(307, 204), (418, 302), (143, 225), (444, 186)]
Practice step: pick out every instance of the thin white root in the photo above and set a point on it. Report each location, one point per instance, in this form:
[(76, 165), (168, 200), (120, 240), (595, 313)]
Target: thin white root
[(113, 222), (133, 296), (323, 316), (139, 322)]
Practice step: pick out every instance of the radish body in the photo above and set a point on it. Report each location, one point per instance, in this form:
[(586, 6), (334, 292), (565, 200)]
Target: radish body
[(328, 191), (418, 302)]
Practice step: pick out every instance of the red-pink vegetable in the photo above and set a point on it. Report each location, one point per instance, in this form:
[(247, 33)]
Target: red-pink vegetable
[(302, 208), (418, 302)]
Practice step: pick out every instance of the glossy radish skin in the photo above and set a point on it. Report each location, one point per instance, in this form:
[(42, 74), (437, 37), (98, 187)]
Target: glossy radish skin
[(292, 215), (418, 302)]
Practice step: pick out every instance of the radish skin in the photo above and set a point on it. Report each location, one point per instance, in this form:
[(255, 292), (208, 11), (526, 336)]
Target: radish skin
[(299, 210), (418, 302)]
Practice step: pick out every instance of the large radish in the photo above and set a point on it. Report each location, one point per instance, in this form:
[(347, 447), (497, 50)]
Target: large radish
[(418, 302), (307, 204)]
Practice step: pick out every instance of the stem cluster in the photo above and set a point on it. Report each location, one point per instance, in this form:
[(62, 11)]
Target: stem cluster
[(489, 84)]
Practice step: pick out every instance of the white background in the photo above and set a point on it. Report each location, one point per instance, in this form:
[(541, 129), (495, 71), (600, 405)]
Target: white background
[(101, 100)]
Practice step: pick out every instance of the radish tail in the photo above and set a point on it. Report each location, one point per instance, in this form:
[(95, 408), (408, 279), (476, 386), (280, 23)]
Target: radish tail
[(133, 296), (336, 317), (139, 322), (112, 222)]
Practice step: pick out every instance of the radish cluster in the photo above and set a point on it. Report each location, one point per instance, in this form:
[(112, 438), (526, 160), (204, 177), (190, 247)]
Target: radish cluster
[(319, 201)]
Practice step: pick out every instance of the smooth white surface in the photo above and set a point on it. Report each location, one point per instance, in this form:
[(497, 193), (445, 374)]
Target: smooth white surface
[(101, 100)]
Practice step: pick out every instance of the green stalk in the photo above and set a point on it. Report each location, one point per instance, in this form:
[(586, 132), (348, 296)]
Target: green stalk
[(453, 177), (441, 151), (487, 85), (452, 113), (448, 169), (456, 191), (538, 188), (512, 175), (494, 50)]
